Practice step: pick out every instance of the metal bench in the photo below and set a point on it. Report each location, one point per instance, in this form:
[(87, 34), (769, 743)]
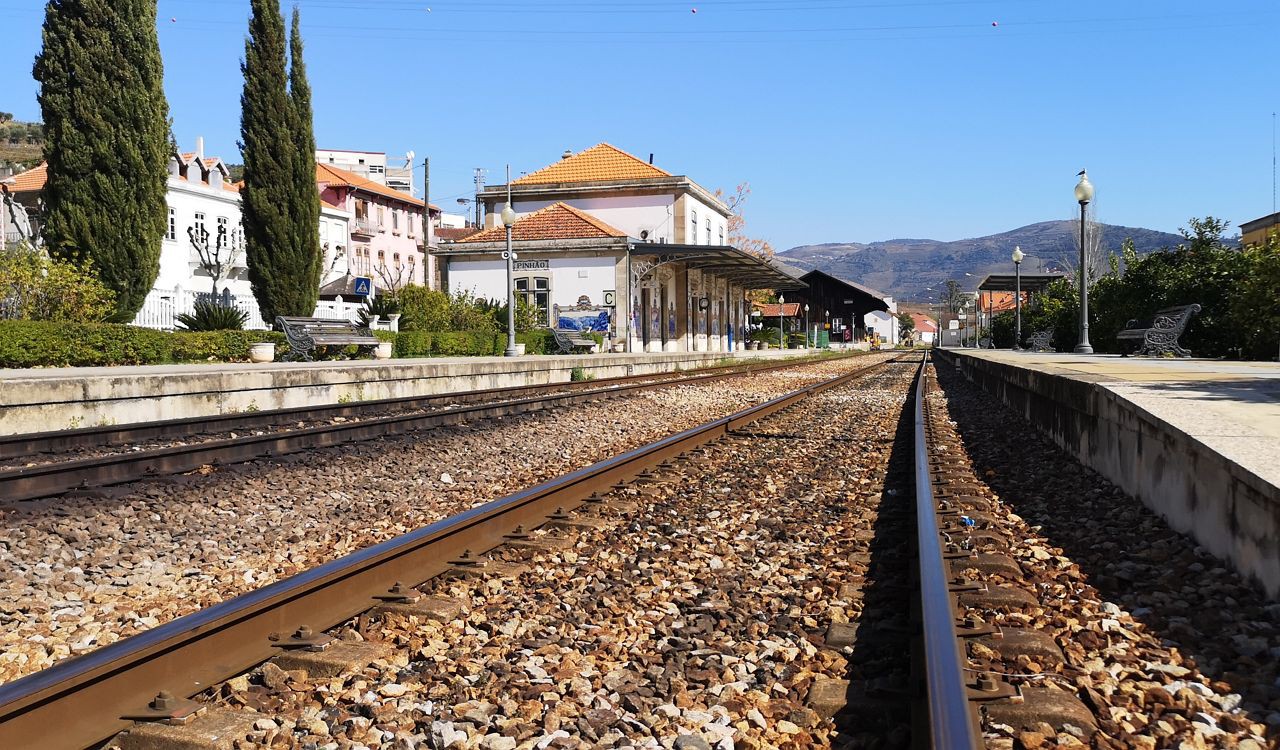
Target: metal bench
[(571, 341), (1159, 335), (306, 334), (1041, 341)]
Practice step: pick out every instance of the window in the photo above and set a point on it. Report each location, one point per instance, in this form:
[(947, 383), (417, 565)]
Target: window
[(222, 231), (375, 168), (693, 224), (721, 234), (395, 219), (199, 224), (396, 259), (172, 234), (708, 230), (536, 290)]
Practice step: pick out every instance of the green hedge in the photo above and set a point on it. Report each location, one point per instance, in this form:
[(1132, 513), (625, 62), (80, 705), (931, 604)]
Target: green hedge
[(539, 341), (28, 343), (449, 344)]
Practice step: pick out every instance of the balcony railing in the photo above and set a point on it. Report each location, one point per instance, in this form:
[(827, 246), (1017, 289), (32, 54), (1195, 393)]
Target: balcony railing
[(365, 227)]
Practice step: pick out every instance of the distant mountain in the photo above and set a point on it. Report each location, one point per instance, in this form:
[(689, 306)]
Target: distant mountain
[(904, 268)]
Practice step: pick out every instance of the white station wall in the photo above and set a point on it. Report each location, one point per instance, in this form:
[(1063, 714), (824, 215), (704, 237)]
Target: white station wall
[(483, 278), (631, 214), (571, 278)]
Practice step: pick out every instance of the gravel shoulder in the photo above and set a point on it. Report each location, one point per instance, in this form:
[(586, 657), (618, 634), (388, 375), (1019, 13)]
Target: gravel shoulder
[(1165, 645), (694, 613), (88, 569)]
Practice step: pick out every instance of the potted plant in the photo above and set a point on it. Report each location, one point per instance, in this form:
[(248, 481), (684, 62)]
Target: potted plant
[(383, 350)]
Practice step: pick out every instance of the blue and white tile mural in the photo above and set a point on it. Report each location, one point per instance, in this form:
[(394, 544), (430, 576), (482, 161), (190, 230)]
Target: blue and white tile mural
[(583, 316)]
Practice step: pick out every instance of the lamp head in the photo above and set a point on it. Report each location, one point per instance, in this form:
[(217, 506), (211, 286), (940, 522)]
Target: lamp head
[(1084, 189), (781, 300), (1018, 255), (508, 216)]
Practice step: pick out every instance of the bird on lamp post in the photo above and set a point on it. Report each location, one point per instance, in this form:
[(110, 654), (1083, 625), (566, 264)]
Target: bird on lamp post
[(1017, 297), (1084, 194)]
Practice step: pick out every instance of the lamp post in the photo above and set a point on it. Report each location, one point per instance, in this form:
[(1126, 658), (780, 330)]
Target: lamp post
[(1017, 297), (782, 337), (826, 326), (508, 221), (806, 325), (1084, 194)]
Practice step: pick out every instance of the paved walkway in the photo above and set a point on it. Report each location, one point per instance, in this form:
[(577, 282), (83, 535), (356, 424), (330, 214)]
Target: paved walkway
[(1231, 407)]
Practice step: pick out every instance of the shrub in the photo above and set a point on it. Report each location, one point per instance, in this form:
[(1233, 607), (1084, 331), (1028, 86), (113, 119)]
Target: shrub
[(578, 375), (412, 344), (36, 287), (211, 316), (54, 344), (537, 341), (463, 344), (423, 309), (381, 306)]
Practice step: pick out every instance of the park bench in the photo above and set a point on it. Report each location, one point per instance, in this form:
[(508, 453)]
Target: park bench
[(306, 334), (569, 342), (1041, 341), (1159, 334)]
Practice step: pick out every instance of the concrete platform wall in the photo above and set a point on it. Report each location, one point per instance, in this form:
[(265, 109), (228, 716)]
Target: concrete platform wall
[(1226, 508), (43, 400)]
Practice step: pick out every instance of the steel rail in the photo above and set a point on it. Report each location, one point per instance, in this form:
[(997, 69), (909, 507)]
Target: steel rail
[(78, 702), (58, 477), (951, 719), (53, 441)]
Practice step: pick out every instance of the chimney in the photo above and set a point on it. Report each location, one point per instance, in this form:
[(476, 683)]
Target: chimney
[(200, 147), (651, 157), (567, 153)]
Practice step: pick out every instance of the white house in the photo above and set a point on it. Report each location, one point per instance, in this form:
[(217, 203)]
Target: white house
[(608, 242), (884, 322)]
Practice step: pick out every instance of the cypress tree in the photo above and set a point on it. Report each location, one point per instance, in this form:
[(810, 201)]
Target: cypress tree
[(306, 211), (282, 249), (106, 140)]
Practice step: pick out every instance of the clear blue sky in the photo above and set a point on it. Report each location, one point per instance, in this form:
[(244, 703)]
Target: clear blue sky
[(853, 121)]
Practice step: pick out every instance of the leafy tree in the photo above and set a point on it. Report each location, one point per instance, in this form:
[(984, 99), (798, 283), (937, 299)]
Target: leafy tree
[(906, 327), (282, 250), (34, 286), (1256, 307), (106, 129)]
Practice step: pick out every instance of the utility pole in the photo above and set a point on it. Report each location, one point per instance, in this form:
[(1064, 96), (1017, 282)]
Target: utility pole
[(428, 267), (479, 178)]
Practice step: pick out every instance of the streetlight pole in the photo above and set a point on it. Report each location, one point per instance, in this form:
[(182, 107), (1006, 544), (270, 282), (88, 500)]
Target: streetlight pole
[(826, 326), (1017, 297), (782, 336), (1084, 194), (509, 221), (806, 325)]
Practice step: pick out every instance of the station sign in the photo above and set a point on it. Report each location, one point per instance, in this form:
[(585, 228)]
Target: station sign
[(532, 265)]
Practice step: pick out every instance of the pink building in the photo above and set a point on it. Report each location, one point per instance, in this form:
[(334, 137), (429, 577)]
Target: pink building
[(387, 239)]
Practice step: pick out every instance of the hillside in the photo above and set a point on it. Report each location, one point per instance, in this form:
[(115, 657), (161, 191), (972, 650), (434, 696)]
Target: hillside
[(905, 267)]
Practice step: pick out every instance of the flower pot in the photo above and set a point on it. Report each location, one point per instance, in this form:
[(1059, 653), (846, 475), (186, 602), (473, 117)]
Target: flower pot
[(262, 352), (619, 347), (383, 350), (520, 350)]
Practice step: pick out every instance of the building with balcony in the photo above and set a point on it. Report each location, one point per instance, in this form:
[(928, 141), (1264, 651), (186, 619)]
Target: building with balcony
[(388, 240), (608, 242)]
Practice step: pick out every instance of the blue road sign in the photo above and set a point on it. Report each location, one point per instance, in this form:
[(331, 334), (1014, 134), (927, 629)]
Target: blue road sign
[(364, 286)]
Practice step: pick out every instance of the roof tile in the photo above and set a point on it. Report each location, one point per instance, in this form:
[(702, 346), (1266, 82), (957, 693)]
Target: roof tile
[(559, 221), (32, 180), (331, 175), (599, 163)]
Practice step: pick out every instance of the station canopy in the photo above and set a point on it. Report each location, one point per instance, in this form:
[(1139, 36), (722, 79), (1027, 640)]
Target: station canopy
[(739, 267), (1007, 282), (842, 296)]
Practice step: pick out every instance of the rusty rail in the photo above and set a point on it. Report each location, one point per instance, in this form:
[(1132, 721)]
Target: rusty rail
[(80, 702), (54, 478)]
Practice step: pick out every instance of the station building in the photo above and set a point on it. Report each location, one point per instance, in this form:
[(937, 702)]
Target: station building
[(607, 242)]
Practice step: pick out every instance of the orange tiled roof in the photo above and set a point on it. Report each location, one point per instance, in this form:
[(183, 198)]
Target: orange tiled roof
[(770, 310), (32, 180), (454, 233), (331, 175), (559, 221), (599, 163)]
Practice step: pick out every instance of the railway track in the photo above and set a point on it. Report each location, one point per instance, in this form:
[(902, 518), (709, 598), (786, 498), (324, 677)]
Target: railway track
[(811, 626), (150, 675), (307, 428)]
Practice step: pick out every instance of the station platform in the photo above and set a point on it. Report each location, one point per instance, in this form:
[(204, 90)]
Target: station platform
[(40, 400), (1197, 441)]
